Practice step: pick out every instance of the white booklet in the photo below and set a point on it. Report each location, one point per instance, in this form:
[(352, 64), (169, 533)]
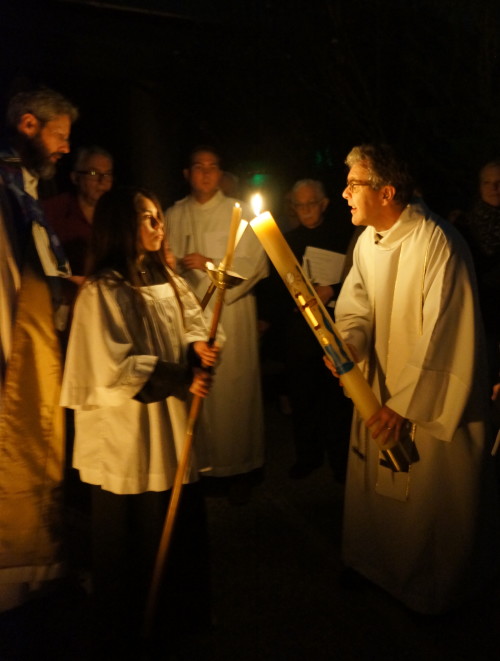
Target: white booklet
[(323, 267)]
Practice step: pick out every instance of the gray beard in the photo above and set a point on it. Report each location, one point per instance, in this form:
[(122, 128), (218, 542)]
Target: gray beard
[(34, 157), (47, 170)]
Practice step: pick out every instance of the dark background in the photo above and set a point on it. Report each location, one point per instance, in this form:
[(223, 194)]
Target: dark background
[(283, 88)]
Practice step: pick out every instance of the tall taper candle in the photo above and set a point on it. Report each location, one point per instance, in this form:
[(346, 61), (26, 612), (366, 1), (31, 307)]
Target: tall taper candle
[(231, 239)]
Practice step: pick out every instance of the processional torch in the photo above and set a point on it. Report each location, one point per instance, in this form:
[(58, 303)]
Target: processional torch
[(357, 388), (221, 280)]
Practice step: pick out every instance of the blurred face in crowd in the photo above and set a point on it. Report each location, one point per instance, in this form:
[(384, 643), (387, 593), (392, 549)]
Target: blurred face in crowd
[(204, 175), (489, 185), (151, 232), (94, 178), (368, 206), (44, 144), (309, 206)]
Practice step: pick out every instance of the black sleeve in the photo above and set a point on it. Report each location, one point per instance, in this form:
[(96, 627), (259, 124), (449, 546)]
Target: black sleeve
[(165, 380), (192, 357)]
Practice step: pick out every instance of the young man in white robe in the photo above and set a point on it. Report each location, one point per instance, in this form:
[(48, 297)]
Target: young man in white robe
[(408, 310), (198, 228)]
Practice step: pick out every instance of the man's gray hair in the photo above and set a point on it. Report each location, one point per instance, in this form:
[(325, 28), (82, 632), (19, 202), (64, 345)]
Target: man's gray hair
[(312, 183), (44, 103), (84, 153), (384, 168)]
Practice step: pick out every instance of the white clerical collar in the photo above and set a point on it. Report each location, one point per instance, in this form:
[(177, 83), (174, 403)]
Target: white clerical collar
[(380, 235), (411, 215)]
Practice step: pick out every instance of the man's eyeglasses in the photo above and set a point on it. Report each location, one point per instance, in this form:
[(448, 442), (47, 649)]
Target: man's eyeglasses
[(351, 185), (95, 174)]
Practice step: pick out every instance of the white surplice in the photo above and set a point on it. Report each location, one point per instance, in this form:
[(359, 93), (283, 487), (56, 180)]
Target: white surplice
[(121, 444), (410, 310), (232, 415)]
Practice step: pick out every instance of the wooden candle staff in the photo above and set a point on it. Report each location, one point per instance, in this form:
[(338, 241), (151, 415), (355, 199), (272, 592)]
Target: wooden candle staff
[(222, 281)]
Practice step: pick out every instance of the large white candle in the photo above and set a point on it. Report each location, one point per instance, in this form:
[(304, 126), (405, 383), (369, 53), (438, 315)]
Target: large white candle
[(316, 315)]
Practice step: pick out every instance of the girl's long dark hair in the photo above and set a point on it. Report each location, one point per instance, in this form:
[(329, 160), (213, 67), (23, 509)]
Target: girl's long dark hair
[(115, 228), (114, 253)]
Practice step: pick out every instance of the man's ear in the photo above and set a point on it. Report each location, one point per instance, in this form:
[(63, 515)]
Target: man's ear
[(388, 193), (29, 125), (324, 204), (185, 172), (74, 177)]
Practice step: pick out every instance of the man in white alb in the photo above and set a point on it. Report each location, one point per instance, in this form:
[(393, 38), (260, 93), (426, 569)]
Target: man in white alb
[(198, 227), (408, 309)]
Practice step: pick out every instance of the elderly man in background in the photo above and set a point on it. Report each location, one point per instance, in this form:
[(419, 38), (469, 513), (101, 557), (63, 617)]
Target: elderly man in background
[(409, 311), (70, 214), (31, 421)]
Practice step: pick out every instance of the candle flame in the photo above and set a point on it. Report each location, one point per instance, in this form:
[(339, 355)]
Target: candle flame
[(257, 203)]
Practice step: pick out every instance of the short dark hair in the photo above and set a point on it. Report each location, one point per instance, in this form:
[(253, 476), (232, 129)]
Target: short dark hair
[(385, 168), (203, 148), (43, 102)]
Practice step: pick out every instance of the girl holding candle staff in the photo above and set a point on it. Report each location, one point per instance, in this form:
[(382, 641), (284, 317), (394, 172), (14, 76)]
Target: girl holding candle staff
[(136, 350)]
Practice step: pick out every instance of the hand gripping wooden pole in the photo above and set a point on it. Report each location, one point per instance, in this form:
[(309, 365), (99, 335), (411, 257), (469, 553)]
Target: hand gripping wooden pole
[(222, 281), (316, 315)]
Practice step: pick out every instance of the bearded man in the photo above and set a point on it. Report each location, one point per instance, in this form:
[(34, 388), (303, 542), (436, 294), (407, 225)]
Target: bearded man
[(31, 421)]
